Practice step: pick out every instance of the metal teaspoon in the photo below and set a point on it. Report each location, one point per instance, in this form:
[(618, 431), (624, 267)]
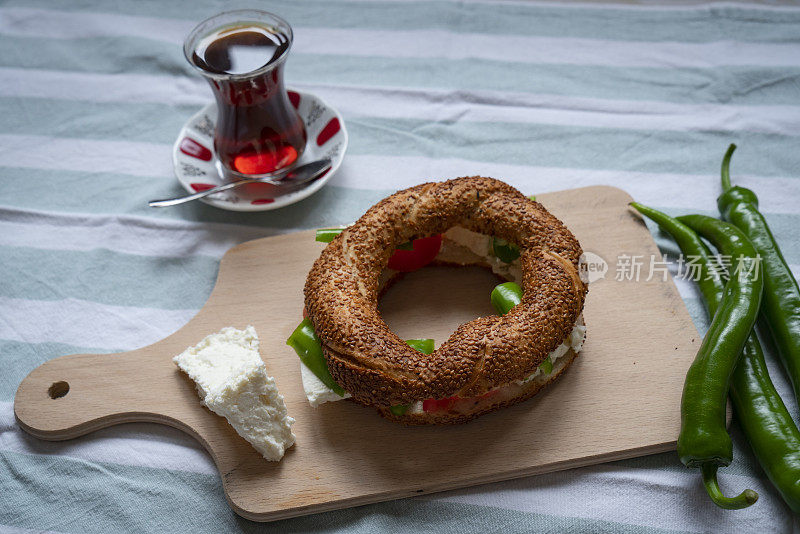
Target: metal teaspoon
[(296, 176)]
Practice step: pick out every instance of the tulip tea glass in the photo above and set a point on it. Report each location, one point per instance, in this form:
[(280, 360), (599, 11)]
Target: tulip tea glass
[(242, 54)]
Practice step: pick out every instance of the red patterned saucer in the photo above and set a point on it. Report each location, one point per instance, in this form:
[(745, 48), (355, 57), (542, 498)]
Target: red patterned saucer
[(196, 164)]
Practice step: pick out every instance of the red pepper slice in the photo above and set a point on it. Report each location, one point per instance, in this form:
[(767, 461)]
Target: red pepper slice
[(423, 252), (439, 405), (442, 405)]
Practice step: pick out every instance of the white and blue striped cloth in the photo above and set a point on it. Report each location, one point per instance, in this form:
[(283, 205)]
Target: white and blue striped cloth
[(546, 96)]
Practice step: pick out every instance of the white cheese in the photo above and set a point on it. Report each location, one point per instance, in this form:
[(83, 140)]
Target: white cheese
[(232, 381), (478, 244), (578, 335), (316, 391), (473, 247), (574, 341)]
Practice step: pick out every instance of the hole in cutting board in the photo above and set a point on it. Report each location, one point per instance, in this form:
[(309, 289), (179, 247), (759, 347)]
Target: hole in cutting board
[(434, 301), (58, 389)]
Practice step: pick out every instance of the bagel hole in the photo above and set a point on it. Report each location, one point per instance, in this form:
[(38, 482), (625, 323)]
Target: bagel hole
[(432, 302)]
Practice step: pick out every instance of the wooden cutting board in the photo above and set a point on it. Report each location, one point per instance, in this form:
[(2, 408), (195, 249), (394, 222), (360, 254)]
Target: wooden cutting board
[(619, 399)]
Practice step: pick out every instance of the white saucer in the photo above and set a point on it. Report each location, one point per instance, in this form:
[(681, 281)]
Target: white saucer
[(195, 162)]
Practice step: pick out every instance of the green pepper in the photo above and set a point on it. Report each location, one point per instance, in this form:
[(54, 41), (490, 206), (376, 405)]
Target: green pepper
[(729, 331), (425, 346), (505, 251), (306, 344), (308, 347), (326, 235), (704, 441), (399, 409), (766, 423), (505, 296), (780, 309)]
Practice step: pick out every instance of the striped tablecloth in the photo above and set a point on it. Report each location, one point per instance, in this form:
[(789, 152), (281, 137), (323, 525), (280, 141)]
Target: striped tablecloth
[(545, 96)]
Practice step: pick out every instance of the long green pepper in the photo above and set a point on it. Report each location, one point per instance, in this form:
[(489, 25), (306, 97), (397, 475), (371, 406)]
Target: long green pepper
[(704, 441), (763, 416), (781, 306), (731, 326)]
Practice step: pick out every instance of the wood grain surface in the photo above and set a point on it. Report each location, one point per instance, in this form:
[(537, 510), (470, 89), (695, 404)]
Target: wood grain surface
[(619, 399)]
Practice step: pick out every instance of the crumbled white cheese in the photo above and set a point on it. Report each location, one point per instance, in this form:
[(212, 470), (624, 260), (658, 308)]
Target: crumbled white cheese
[(316, 391), (478, 248), (479, 244), (574, 341), (578, 335), (232, 381), (416, 407)]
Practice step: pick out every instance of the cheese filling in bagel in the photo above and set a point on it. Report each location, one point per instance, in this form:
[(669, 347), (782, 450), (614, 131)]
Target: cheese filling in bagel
[(460, 247)]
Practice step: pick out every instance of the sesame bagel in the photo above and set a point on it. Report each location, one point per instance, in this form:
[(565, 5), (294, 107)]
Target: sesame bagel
[(379, 369)]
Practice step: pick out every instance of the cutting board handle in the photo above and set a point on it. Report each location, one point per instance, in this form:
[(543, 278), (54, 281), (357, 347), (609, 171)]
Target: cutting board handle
[(73, 395)]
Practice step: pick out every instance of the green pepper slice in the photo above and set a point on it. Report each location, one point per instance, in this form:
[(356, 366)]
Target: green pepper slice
[(505, 296), (399, 409), (505, 251), (425, 346), (326, 235), (306, 344)]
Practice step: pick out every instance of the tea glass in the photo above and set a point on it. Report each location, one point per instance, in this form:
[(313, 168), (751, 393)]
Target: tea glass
[(258, 131)]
